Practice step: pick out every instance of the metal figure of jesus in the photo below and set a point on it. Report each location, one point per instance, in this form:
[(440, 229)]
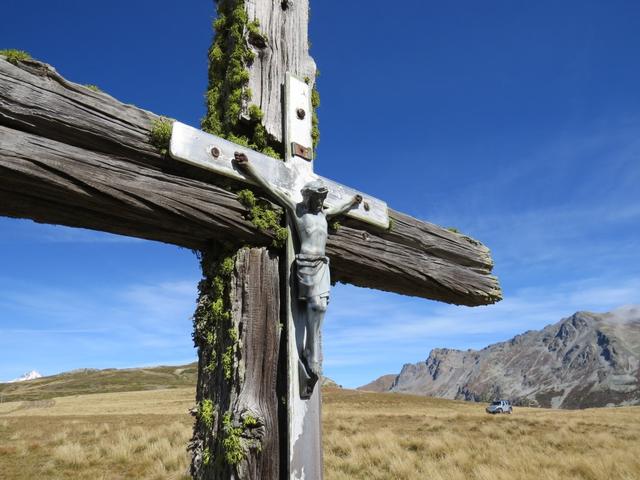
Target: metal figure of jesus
[(312, 265)]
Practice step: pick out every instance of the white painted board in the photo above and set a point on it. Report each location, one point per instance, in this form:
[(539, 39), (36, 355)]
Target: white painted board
[(195, 147)]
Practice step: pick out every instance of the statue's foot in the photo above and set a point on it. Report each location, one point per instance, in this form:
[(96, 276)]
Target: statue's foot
[(307, 379), (314, 366)]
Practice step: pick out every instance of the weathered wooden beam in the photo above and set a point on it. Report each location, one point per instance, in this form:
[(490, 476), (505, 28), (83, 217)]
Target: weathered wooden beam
[(283, 48), (80, 158), (237, 433)]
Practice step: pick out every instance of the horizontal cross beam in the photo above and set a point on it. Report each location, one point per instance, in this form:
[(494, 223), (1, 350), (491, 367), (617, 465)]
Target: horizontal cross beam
[(216, 154), (72, 156)]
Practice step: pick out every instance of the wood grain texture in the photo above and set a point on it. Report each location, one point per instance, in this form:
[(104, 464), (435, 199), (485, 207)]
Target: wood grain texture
[(75, 157), (284, 25), (244, 423), (255, 302)]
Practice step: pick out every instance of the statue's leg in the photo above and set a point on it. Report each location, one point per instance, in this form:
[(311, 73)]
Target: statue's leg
[(316, 309)]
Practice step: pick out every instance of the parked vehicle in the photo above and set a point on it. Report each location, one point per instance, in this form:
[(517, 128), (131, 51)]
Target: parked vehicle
[(500, 406)]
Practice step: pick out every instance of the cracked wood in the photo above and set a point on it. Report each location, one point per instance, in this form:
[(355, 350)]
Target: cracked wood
[(72, 156)]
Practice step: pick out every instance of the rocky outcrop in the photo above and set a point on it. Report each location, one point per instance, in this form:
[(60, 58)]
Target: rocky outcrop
[(586, 360)]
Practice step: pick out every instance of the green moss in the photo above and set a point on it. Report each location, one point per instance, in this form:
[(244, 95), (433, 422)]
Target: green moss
[(453, 229), (212, 320), (249, 421), (228, 93), (255, 113), (228, 356), (205, 413), (219, 312), (315, 121), (232, 443), (93, 88), (256, 37), (392, 224), (264, 217), (226, 267), (334, 225), (217, 339), (212, 365), (227, 363), (206, 456), (247, 198), (15, 56), (233, 334), (160, 134), (218, 286)]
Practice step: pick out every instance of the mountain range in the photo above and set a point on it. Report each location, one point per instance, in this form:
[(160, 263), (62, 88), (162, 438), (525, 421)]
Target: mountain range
[(90, 380), (585, 360)]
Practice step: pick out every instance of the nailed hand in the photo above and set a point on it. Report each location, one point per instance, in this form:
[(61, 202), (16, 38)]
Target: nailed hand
[(241, 159)]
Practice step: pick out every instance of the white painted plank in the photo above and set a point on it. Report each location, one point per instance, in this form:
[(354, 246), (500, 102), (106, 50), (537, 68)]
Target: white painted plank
[(195, 147)]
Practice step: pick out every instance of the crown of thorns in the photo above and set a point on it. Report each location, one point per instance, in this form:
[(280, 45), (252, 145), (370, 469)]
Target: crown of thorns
[(315, 188)]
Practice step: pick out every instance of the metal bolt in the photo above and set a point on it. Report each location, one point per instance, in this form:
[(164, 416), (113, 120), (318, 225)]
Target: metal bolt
[(215, 152), (301, 113), (366, 206)]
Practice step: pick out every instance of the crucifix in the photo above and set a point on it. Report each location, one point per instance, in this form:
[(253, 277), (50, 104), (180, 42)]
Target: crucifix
[(309, 201), (72, 156)]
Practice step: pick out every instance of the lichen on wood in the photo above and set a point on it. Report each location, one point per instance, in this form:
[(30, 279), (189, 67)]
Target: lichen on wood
[(236, 333), (247, 69), (211, 322), (264, 217), (160, 134), (14, 56), (229, 111)]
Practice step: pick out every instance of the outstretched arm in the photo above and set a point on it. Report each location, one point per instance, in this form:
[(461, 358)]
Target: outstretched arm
[(345, 207), (243, 163)]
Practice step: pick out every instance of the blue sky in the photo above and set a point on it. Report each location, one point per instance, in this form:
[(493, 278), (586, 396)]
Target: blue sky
[(516, 122)]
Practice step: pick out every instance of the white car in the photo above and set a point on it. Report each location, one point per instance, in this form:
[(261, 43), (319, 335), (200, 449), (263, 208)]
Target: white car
[(500, 406)]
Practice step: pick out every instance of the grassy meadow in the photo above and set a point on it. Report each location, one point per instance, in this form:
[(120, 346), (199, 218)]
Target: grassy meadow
[(143, 435)]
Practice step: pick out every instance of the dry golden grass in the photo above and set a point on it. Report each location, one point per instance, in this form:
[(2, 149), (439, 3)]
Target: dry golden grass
[(143, 435), (387, 436), (117, 447)]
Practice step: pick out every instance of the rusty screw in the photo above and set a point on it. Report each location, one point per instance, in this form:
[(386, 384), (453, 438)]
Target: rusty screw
[(301, 113), (215, 152)]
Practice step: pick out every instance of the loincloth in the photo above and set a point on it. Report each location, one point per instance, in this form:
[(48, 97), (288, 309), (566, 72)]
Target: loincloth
[(313, 276)]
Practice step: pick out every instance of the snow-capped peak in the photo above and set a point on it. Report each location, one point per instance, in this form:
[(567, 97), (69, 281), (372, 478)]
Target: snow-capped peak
[(32, 375)]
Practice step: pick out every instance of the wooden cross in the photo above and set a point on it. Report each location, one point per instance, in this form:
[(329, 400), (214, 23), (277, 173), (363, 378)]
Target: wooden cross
[(216, 154), (72, 156)]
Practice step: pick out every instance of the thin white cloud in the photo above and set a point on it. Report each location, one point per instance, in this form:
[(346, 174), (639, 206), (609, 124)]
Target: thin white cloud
[(80, 328), (27, 230), (389, 325)]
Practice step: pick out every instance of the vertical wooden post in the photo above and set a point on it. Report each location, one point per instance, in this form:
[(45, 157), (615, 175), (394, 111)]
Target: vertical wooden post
[(238, 318), (237, 331)]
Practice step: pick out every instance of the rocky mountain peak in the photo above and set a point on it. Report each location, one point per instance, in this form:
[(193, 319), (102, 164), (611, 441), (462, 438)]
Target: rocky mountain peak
[(585, 360)]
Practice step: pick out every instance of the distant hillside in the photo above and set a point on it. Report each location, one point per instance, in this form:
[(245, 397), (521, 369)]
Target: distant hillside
[(79, 382), (32, 375), (586, 360), (381, 384)]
